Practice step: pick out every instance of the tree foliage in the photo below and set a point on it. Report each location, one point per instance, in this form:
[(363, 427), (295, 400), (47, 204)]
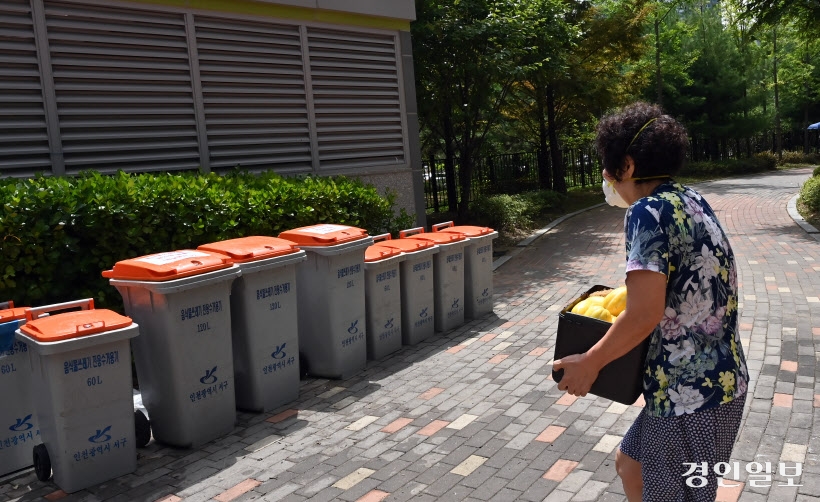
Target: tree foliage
[(506, 75)]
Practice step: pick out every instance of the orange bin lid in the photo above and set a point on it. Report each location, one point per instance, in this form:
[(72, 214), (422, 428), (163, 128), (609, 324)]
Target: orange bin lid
[(13, 314), (408, 245), (253, 248), (324, 234), (438, 237), (468, 230), (74, 325), (378, 252), (168, 266)]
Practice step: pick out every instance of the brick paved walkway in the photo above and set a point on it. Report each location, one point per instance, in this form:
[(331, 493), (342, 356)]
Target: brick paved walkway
[(473, 415)]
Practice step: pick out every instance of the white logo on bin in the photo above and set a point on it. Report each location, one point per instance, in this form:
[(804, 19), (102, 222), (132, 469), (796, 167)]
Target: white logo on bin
[(389, 324), (423, 312), (455, 303), (353, 329), (22, 425), (210, 376), (279, 353), (485, 292), (101, 436)]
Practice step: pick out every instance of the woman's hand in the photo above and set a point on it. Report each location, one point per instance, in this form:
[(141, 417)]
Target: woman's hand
[(579, 374)]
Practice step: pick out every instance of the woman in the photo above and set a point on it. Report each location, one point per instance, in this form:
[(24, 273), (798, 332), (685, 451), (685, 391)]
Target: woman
[(681, 292)]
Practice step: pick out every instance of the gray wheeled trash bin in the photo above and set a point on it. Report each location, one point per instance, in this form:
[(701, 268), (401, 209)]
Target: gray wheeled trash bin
[(264, 319), (417, 295), (181, 300), (448, 275), (478, 270), (382, 298), (81, 382), (19, 430), (332, 331)]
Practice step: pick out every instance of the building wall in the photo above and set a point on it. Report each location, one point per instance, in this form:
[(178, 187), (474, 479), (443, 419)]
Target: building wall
[(299, 87), (392, 9)]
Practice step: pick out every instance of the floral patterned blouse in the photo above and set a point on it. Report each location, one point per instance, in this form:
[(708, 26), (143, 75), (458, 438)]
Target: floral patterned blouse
[(695, 359)]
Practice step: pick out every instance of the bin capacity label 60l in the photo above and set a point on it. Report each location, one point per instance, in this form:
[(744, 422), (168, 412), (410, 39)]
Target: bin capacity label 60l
[(7, 364), (349, 272)]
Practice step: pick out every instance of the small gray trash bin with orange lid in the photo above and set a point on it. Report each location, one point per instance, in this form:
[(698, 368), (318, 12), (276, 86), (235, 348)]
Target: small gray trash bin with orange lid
[(81, 382), (478, 268), (181, 300), (264, 322), (382, 298), (448, 275), (332, 331), (417, 295), (19, 430)]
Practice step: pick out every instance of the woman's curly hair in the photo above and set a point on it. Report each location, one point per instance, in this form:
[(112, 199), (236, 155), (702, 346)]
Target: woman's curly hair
[(657, 149)]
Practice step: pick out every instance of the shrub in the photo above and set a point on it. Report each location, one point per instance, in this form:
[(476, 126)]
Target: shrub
[(800, 158), (816, 171), (758, 163), (768, 159), (810, 194), (789, 157), (57, 234), (503, 212), (507, 213)]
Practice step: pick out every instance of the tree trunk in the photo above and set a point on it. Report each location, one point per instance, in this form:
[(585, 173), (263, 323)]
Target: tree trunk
[(658, 77), (434, 183), (544, 174), (805, 129), (778, 135), (449, 164), (559, 183), (806, 61), (465, 175)]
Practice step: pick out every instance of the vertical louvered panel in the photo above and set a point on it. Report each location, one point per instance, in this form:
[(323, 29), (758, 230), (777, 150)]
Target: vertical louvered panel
[(356, 94), (24, 145), (123, 87), (253, 88)]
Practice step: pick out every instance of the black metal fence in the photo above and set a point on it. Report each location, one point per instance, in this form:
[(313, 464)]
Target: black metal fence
[(509, 173), (513, 173)]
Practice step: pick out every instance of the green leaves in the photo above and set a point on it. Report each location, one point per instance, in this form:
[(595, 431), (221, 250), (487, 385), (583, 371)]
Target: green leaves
[(58, 234)]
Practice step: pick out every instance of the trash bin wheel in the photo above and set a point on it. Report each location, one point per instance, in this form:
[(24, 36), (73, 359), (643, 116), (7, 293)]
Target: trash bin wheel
[(42, 464), (142, 429)]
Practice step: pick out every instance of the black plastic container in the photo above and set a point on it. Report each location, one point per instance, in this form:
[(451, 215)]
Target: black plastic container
[(622, 379)]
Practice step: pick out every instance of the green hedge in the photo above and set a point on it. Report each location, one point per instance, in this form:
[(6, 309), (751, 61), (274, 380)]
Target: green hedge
[(508, 213), (810, 194), (759, 163), (58, 233)]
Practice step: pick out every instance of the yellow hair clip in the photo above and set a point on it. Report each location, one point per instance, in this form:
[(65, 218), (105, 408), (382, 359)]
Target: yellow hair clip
[(639, 132)]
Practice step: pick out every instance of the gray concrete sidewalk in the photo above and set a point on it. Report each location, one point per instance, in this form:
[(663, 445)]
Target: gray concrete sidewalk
[(473, 414)]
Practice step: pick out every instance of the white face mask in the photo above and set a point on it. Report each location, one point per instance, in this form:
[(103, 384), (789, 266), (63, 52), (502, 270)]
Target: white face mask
[(613, 198)]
